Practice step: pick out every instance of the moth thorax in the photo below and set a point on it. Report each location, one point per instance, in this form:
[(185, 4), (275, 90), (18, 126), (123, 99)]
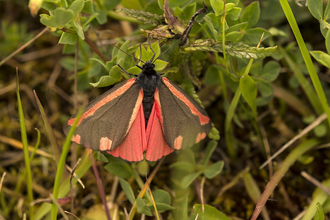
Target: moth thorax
[(148, 68)]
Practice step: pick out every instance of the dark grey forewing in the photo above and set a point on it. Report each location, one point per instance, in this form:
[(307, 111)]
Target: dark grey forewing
[(110, 121), (178, 119)]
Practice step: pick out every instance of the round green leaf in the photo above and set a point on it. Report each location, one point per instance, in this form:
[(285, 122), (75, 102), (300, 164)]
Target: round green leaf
[(213, 170), (63, 16), (187, 180), (271, 71), (48, 20), (249, 92), (209, 213)]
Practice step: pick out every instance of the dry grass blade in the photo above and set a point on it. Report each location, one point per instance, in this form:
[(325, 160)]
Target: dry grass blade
[(315, 182), (320, 119), (1, 181)]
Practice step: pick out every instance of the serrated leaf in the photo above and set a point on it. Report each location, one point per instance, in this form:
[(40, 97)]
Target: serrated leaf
[(127, 190), (209, 213), (142, 207), (63, 16), (238, 50), (249, 92), (77, 6), (213, 170), (68, 38), (48, 20)]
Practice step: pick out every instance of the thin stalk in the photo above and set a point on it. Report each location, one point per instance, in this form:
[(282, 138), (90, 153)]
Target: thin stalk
[(307, 58), (25, 149)]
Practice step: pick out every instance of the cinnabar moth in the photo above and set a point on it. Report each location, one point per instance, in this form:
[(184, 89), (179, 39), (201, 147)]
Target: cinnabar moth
[(147, 113)]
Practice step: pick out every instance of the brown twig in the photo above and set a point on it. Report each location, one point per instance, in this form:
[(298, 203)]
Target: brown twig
[(24, 46)]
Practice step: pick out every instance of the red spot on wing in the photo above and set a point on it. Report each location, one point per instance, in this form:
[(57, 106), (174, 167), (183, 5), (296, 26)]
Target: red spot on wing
[(131, 149), (156, 144), (76, 138), (105, 144), (104, 101), (200, 137), (178, 143), (202, 118)]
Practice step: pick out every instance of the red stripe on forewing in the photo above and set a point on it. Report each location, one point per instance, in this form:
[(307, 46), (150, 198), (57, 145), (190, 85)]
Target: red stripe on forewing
[(202, 118), (135, 110), (104, 101)]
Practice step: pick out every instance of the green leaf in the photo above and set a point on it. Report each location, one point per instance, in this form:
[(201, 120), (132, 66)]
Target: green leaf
[(63, 16), (265, 88), (327, 41), (118, 167), (316, 8), (217, 6), (161, 196), (271, 71), (104, 81), (88, 7), (251, 187), (213, 170), (209, 213), (253, 35), (327, 12), (161, 207), (142, 207), (182, 165), (128, 190), (79, 30), (68, 38), (249, 92), (212, 76), (160, 65), (109, 5), (321, 57), (187, 180), (134, 70), (209, 151), (156, 51), (234, 36), (319, 215), (77, 6), (251, 14), (101, 157), (234, 13), (115, 72), (47, 20)]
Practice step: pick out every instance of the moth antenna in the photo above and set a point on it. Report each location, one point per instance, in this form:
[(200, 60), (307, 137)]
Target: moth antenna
[(137, 63), (167, 49), (130, 55), (153, 56)]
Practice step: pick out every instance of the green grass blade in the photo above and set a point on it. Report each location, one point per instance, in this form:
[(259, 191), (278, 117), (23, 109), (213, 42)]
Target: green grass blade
[(25, 150), (50, 132), (61, 164), (307, 58)]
